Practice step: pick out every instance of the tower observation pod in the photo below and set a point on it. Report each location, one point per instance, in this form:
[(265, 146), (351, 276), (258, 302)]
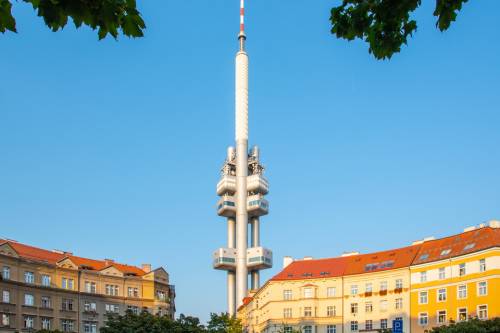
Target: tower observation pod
[(242, 189)]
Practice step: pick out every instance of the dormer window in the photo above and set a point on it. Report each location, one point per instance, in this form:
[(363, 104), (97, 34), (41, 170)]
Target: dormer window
[(445, 252)]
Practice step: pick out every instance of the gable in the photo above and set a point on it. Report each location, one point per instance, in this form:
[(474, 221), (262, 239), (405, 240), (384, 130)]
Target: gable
[(8, 250), (111, 271), (67, 263)]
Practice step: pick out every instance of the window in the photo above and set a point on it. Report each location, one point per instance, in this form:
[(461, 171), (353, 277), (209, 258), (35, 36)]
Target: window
[(29, 300), (462, 291), (29, 322), (134, 309), (383, 324), (399, 284), (331, 329), (354, 326), (469, 246), (482, 312), (67, 304), (368, 307), (287, 313), (46, 302), (89, 327), (133, 292), (330, 292), (383, 305), (462, 314), (6, 296), (29, 277), (89, 307), (308, 293), (307, 311), (424, 256), (330, 311), (67, 283), (423, 297), (368, 287), (441, 295), (354, 289), (112, 308), (161, 295), (287, 329), (307, 329), (482, 288), (287, 295), (6, 273), (445, 252), (482, 265), (354, 308), (423, 276), (111, 290), (46, 323), (442, 273), (423, 319), (441, 317), (461, 269), (46, 280), (399, 303), (368, 325), (5, 320), (67, 325), (90, 287), (383, 286)]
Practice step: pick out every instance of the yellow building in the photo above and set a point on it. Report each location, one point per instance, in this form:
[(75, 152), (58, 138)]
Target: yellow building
[(456, 278), (43, 289), (366, 292)]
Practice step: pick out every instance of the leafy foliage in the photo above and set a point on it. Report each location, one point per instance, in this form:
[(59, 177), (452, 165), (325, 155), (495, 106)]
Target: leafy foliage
[(386, 24), (470, 326), (148, 323), (107, 16)]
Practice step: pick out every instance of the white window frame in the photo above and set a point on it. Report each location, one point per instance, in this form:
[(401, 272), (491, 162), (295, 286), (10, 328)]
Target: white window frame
[(478, 311), (46, 323), (384, 323), (462, 269), (423, 315), (369, 287), (6, 272), (383, 285), (423, 276), (369, 321), (330, 311), (438, 295), (369, 307), (308, 311), (398, 303), (485, 288), (307, 329), (308, 292), (354, 289), (399, 283), (29, 297), (442, 273), (458, 291), (383, 305), (426, 293), (331, 328), (287, 294), (6, 296), (29, 277), (29, 321), (354, 326), (331, 291), (46, 280), (445, 317), (466, 314), (287, 313), (482, 265), (354, 308)]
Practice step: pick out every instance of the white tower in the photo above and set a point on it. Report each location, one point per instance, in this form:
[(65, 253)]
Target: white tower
[(242, 189)]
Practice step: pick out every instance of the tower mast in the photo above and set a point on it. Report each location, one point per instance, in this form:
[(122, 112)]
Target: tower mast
[(242, 189)]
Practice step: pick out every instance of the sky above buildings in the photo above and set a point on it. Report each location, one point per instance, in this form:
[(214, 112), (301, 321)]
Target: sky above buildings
[(112, 149)]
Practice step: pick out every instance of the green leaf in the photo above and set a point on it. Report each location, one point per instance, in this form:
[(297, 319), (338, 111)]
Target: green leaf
[(7, 21)]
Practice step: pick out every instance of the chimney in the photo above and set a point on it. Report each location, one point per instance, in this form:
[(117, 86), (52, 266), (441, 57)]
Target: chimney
[(348, 254), (146, 268), (287, 261), (308, 258), (108, 262), (494, 224)]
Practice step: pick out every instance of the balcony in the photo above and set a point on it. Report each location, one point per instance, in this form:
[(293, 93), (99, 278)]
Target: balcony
[(257, 205), (227, 184), (259, 258), (257, 184), (224, 259), (226, 206)]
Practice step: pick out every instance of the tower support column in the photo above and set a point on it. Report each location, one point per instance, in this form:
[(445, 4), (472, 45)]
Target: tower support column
[(231, 276)]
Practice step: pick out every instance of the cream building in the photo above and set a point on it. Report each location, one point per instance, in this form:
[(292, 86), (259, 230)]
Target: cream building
[(459, 275)]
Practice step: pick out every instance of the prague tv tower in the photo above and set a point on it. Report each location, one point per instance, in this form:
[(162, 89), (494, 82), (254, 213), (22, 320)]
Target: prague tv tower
[(242, 189)]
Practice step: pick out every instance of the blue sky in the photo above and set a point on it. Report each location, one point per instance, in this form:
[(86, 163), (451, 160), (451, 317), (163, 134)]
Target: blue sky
[(112, 149)]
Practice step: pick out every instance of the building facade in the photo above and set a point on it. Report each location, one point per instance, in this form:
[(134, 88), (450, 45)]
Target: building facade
[(43, 289), (430, 283)]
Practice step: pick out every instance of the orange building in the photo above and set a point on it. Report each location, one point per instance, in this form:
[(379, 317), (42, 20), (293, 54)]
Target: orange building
[(43, 289)]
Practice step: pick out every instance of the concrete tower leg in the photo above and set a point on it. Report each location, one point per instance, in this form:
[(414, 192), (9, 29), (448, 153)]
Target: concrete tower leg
[(255, 241), (231, 276)]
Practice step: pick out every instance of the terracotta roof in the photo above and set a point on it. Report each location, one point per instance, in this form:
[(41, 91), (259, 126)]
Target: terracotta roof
[(34, 253), (51, 257), (313, 269), (467, 242)]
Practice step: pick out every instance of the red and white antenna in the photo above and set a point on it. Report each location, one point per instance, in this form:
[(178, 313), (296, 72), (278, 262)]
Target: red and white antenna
[(242, 35)]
